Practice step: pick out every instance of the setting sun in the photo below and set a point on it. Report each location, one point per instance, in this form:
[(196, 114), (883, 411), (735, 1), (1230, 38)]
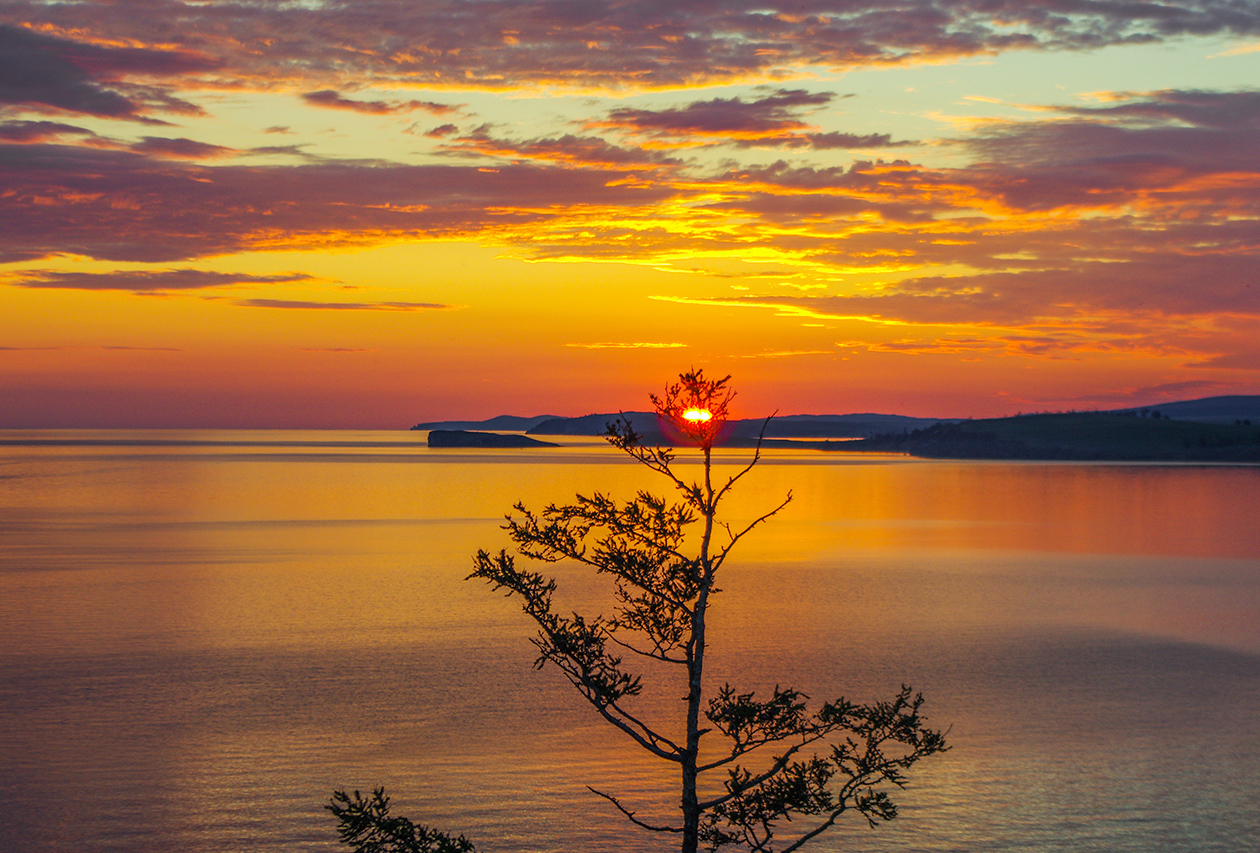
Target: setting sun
[(301, 301)]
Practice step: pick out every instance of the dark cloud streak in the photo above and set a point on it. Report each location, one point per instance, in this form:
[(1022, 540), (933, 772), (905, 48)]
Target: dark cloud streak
[(45, 72), (38, 131), (180, 148), (773, 121), (342, 306), (334, 100), (144, 281), (765, 116)]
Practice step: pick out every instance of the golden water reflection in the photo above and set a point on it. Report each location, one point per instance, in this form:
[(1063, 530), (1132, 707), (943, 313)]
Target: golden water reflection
[(247, 620)]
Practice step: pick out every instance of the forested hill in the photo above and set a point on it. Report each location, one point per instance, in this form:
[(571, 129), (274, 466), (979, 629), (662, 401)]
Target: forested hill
[(1118, 436)]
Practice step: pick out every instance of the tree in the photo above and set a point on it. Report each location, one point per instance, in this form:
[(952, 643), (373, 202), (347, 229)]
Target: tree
[(664, 558), (364, 824)]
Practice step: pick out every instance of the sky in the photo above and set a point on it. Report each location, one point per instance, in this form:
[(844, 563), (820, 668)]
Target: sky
[(373, 213)]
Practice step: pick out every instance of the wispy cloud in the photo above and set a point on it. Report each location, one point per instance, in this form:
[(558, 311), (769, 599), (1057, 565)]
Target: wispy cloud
[(39, 131), (341, 306), (788, 353), (566, 150), (441, 131), (629, 345), (774, 120), (775, 113), (143, 280), (335, 100), (180, 148)]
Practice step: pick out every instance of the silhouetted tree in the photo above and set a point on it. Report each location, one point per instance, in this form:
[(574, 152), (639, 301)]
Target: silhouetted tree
[(664, 557)]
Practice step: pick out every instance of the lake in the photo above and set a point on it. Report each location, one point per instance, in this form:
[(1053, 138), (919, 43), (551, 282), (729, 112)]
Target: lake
[(202, 634)]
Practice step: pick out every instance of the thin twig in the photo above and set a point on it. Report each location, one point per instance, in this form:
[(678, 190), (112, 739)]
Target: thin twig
[(610, 798)]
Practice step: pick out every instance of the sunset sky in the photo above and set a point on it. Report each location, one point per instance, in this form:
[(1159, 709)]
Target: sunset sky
[(368, 214)]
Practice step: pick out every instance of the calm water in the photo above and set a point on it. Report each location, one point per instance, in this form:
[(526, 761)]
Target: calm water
[(203, 634)]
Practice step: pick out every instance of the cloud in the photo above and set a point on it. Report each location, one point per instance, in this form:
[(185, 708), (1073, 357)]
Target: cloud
[(45, 72), (1238, 51), (824, 141), (570, 149), (1141, 206), (498, 44), (35, 72), (1147, 290), (1164, 143), (38, 131), (770, 121), (143, 280), (724, 117), (181, 148), (1130, 216), (788, 353), (287, 150), (1191, 108), (334, 100), (122, 205), (342, 306)]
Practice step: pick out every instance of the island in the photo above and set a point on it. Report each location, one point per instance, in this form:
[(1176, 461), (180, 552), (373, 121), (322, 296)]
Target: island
[(468, 438)]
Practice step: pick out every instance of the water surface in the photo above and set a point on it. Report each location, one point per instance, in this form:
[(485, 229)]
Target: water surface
[(204, 633)]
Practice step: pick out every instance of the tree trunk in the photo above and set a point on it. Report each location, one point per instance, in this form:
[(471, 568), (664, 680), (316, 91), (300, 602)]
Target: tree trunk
[(695, 673), (695, 669)]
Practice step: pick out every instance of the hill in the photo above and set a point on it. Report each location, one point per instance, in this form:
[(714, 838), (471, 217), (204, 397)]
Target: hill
[(1215, 410), (510, 423), (1111, 436), (643, 422)]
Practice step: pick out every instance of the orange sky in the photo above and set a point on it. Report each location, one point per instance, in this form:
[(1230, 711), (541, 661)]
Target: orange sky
[(298, 215)]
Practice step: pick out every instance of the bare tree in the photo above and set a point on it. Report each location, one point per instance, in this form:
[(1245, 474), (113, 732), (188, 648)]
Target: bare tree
[(778, 762)]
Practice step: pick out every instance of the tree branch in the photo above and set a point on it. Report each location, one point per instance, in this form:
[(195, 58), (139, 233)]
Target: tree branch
[(627, 722), (756, 458), (629, 814), (659, 654), (726, 549), (818, 830), (753, 781)]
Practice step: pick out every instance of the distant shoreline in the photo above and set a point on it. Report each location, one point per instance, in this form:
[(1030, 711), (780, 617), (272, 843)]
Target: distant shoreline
[(1083, 437)]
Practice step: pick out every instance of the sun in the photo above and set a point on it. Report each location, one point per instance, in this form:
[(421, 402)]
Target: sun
[(697, 415)]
